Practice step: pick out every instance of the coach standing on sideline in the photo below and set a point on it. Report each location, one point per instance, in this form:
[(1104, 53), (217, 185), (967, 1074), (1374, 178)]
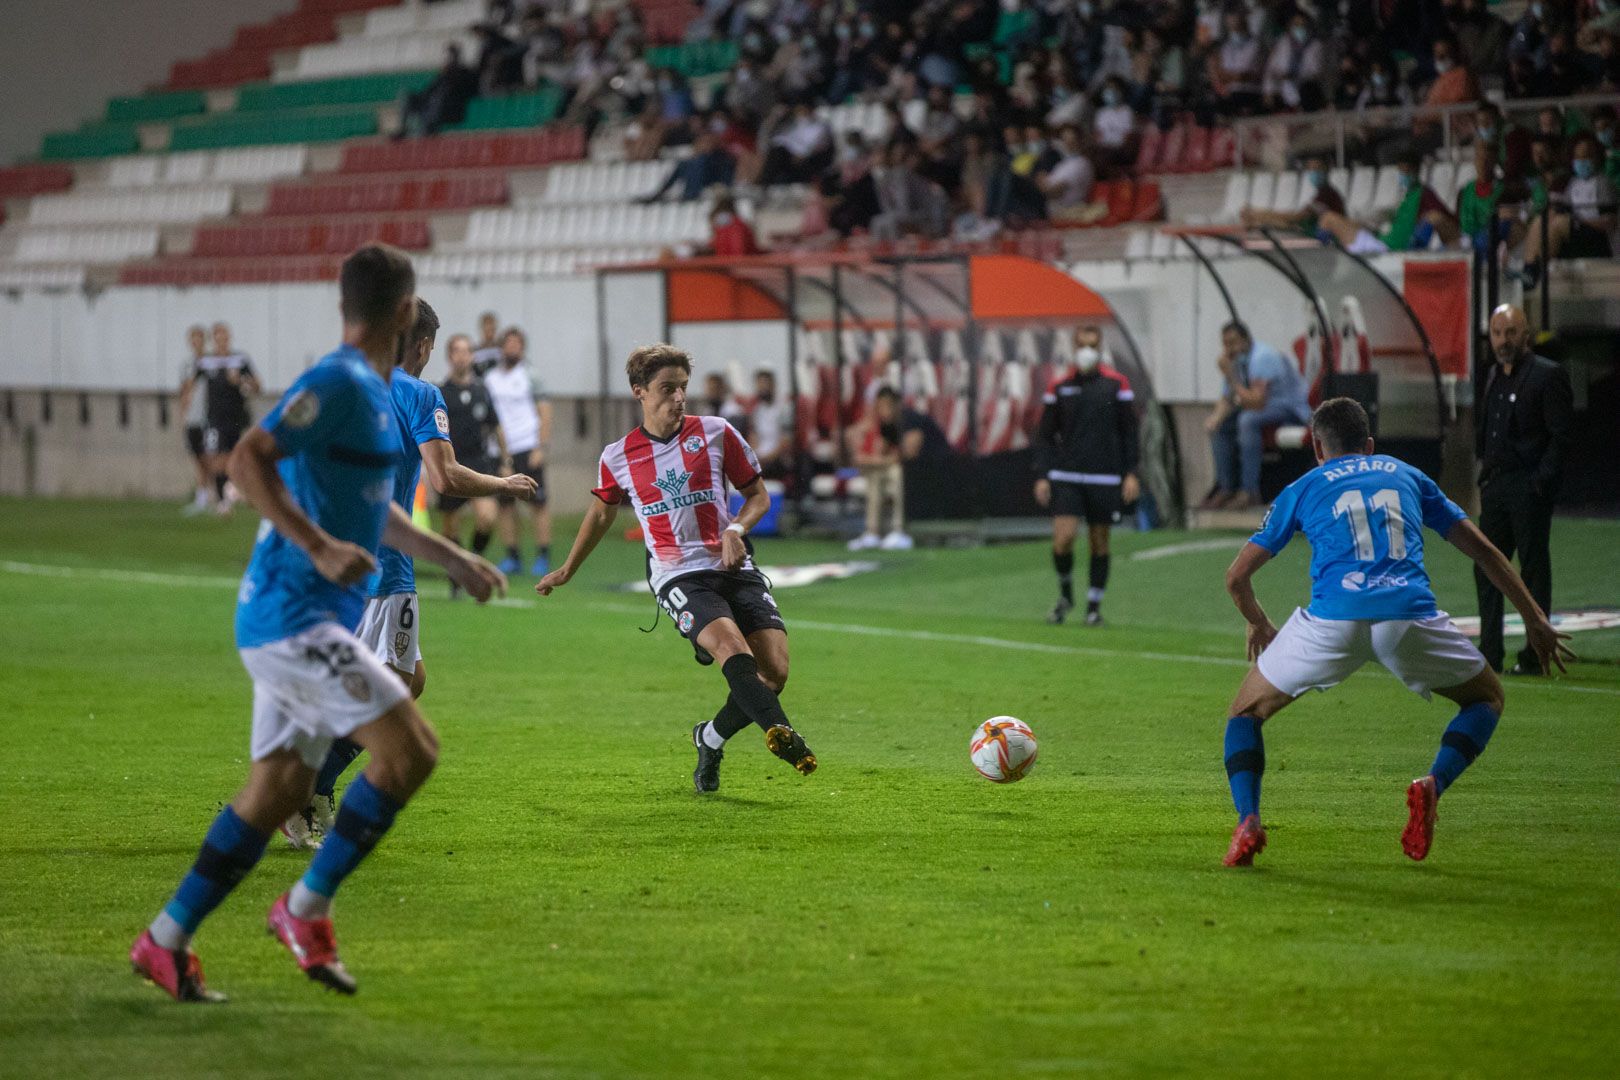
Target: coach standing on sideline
[(1521, 427)]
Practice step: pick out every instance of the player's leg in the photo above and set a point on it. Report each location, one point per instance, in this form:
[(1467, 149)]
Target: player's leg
[(1223, 449), (1532, 528), (1496, 522), (1104, 504), (1432, 656), (540, 513), (484, 513), (277, 785), (894, 489), (1065, 527), (1307, 653)]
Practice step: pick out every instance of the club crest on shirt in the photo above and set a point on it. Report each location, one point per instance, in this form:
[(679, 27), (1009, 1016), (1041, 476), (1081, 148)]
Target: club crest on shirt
[(692, 444), (356, 686), (301, 410), (402, 641), (441, 420)]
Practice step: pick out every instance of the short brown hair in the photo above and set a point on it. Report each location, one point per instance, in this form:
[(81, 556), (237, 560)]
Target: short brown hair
[(373, 281), (1342, 425), (647, 361)]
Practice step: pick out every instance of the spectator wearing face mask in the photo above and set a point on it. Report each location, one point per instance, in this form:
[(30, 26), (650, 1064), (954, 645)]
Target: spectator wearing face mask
[(799, 151), (1067, 186), (1234, 67), (1482, 38), (1384, 89), (1606, 130), (1293, 74), (708, 166), (1418, 218), (729, 233), (1114, 128), (1582, 223), (1482, 216)]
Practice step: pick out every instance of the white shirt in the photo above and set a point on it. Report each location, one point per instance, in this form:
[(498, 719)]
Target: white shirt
[(1076, 175), (514, 391), (1113, 124), (765, 426)]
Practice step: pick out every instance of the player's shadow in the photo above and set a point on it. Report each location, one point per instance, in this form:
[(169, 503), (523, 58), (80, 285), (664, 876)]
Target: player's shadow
[(1416, 884), (739, 801)]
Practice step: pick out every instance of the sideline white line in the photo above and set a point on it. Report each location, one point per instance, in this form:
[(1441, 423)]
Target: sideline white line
[(982, 641), (1188, 547)]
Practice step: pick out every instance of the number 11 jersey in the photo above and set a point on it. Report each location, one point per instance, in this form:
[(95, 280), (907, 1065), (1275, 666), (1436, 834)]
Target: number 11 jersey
[(1363, 515)]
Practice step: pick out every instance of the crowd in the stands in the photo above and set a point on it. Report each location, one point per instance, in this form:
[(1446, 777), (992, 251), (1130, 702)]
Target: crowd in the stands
[(1002, 114)]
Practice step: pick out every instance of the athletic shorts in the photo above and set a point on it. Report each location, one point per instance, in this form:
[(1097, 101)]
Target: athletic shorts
[(696, 600), (1314, 654), (449, 504), (389, 630), (1366, 243), (314, 687), (1099, 504), (194, 440), (520, 464), (221, 440)]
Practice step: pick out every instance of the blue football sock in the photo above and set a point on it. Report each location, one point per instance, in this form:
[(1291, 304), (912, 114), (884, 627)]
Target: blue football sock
[(1464, 740), (363, 816), (1245, 762), (339, 758), (229, 851)]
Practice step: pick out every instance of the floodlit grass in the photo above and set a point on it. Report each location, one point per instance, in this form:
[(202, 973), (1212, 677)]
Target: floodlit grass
[(558, 903)]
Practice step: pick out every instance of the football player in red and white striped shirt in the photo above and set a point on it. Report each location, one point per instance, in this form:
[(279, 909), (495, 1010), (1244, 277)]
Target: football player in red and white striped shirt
[(673, 470)]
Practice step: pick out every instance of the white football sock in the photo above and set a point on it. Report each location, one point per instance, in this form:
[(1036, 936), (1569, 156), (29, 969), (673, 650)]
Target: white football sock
[(712, 738), (308, 904), (168, 933)]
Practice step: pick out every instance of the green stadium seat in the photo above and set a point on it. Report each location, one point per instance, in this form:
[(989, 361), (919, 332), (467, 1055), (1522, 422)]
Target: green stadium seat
[(156, 107), (267, 128), (695, 59), (350, 90), (512, 111), (105, 140)]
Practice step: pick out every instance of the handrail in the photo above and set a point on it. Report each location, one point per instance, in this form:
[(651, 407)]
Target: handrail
[(1400, 116)]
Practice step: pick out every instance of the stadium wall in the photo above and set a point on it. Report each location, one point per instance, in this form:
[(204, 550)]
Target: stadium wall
[(60, 62)]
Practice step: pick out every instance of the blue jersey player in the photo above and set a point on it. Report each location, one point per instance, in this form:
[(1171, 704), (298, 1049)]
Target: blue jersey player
[(390, 628), (1364, 514), (319, 468)]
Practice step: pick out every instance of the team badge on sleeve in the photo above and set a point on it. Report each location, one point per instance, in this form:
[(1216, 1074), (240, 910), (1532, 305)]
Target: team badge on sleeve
[(685, 622), (442, 421), (693, 444), (301, 410)]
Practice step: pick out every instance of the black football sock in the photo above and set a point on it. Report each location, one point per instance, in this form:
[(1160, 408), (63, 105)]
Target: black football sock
[(727, 722), (480, 541), (514, 553), (545, 552), (1064, 565), (1098, 582), (753, 698), (219, 485)]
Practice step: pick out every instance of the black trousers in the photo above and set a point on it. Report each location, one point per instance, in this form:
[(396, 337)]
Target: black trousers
[(1516, 519)]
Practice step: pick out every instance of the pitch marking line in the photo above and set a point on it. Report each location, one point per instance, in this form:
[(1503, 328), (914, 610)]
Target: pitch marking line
[(1188, 547), (144, 577)]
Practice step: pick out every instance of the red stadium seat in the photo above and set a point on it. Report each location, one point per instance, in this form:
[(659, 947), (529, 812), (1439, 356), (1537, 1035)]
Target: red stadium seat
[(24, 181), (1147, 203), (1222, 149), (1195, 156), (1149, 153)]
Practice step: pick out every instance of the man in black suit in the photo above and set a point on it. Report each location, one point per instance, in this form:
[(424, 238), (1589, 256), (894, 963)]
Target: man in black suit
[(1522, 419)]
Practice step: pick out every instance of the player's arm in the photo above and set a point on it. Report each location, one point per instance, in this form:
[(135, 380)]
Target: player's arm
[(1240, 586), (756, 501), (252, 468), (1130, 444), (1253, 396), (450, 477), (1548, 643), (249, 383), (1046, 440), (598, 520), (471, 572), (542, 414)]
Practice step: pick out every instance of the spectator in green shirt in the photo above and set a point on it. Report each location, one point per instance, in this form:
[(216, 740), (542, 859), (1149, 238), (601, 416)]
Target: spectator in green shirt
[(1420, 216), (1476, 202), (1547, 173)]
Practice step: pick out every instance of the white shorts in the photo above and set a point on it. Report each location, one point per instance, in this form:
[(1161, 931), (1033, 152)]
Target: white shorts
[(1314, 654), (390, 629), (314, 687)]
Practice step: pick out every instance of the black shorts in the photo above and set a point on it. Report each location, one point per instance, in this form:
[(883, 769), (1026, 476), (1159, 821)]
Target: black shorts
[(449, 504), (1099, 504), (520, 464), (696, 600), (194, 440), (221, 439)]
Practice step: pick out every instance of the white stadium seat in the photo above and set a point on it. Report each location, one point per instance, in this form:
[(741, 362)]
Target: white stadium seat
[(1237, 196), (106, 244), (1358, 193), (367, 55), (168, 206), (1285, 191), (1387, 191)]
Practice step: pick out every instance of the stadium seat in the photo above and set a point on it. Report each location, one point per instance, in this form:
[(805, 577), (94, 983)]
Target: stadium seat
[(98, 244), (1285, 192), (1386, 190), (1195, 157), (378, 89), (154, 207), (1223, 149), (1236, 198), (1358, 194), (24, 181), (155, 106), (1147, 202), (265, 128), (1261, 189), (1148, 153)]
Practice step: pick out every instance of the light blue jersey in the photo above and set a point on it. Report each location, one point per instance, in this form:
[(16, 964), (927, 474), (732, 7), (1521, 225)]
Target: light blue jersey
[(337, 428), (420, 416), (1363, 516)]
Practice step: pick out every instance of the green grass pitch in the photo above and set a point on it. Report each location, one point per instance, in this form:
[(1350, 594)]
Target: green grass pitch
[(558, 903)]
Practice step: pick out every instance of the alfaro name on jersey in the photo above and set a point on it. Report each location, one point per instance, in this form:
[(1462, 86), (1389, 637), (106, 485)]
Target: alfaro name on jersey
[(678, 488)]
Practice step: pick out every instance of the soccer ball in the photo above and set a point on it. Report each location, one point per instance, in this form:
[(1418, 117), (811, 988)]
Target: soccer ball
[(1003, 749)]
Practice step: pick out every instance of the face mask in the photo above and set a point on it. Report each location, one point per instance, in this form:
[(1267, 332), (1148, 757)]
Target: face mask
[(1302, 34), (1110, 97), (1606, 137), (1087, 358), (1036, 147), (842, 30), (1087, 9), (868, 30), (1317, 177), (722, 219), (1380, 80), (1441, 66), (1488, 133), (1407, 180), (1585, 169), (1538, 10)]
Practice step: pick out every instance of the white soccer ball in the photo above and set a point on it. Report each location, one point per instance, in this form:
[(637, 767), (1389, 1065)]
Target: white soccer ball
[(1003, 749)]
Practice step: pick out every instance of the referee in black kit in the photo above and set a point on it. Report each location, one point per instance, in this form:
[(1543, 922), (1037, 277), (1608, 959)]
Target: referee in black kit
[(1522, 419)]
